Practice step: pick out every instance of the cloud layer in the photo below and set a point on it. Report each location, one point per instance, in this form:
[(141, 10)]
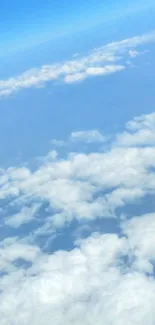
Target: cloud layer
[(90, 284), (105, 60), (87, 186), (106, 278)]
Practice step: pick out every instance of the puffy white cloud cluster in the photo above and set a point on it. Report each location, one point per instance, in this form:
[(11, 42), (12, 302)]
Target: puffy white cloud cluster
[(103, 279), (101, 61), (89, 284), (87, 186)]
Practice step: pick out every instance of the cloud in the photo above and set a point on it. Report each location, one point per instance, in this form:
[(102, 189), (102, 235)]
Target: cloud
[(90, 136), (133, 53), (25, 215), (106, 278), (85, 186), (78, 137), (140, 232), (93, 71), (100, 61), (140, 132), (57, 143), (12, 250), (89, 284)]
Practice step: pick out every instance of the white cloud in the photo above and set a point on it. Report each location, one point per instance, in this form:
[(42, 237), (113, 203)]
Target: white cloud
[(75, 77), (57, 143), (90, 136), (93, 71), (106, 278), (87, 186), (140, 132), (140, 232), (133, 53), (89, 284), (99, 62), (12, 249), (51, 156), (24, 216)]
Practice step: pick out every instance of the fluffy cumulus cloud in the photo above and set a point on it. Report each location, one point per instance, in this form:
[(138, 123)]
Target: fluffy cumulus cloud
[(104, 278), (89, 284), (85, 186), (110, 58)]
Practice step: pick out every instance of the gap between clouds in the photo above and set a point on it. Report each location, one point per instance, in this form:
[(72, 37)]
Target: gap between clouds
[(101, 61)]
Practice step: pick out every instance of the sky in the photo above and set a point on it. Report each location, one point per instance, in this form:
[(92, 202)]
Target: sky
[(77, 162), (33, 22)]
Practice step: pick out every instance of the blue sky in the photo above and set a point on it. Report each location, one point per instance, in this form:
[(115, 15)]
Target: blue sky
[(77, 162), (32, 22)]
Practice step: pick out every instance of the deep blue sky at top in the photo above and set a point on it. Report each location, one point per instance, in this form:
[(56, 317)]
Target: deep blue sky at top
[(23, 23)]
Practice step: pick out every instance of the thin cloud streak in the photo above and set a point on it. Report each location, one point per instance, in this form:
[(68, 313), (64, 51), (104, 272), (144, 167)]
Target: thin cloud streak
[(99, 62)]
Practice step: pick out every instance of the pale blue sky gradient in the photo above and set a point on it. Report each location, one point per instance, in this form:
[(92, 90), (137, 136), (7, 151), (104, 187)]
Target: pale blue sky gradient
[(24, 24)]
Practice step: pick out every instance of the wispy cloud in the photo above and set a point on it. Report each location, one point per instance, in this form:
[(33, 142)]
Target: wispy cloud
[(24, 216), (81, 137), (90, 136), (101, 61)]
